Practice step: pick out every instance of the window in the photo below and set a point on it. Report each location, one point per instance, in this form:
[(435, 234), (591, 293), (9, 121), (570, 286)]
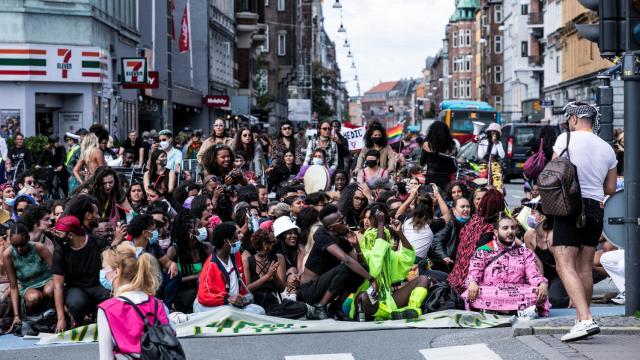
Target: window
[(498, 102), (265, 46), (524, 9), (558, 64), (524, 49), (483, 21), (467, 63), (497, 70), (455, 39), (465, 89), (461, 38), (497, 13), (467, 35), (282, 44), (282, 5), (455, 89), (497, 44), (455, 64)]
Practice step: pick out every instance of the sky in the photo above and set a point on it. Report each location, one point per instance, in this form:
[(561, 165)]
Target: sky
[(390, 39)]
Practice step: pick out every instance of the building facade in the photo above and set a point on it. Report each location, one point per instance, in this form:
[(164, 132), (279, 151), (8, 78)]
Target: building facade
[(462, 50), (490, 48)]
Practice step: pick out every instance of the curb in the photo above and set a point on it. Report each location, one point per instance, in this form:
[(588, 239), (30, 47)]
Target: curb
[(548, 330)]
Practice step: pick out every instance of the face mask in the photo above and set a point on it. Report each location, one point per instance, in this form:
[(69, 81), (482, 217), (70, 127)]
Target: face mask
[(377, 140), (371, 163), (235, 248), (317, 161), (202, 234), (163, 162), (10, 201), (104, 281), (462, 219), (532, 222), (164, 145), (154, 237)]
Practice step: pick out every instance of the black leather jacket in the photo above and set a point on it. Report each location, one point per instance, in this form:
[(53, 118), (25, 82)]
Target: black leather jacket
[(445, 241)]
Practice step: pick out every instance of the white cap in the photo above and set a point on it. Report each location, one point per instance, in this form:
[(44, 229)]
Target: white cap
[(494, 127), (72, 136), (283, 224)]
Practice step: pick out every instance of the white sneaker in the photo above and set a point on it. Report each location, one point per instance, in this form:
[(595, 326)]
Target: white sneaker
[(619, 299), (582, 329), (530, 313)]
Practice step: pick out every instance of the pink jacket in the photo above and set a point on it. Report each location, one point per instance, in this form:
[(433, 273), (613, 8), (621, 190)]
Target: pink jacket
[(516, 266)]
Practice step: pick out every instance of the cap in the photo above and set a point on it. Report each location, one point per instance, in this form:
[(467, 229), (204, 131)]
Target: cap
[(283, 224), (69, 135), (166, 132), (494, 127), (70, 224)]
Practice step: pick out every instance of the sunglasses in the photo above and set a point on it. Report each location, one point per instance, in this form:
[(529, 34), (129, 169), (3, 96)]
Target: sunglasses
[(325, 128), (287, 128)]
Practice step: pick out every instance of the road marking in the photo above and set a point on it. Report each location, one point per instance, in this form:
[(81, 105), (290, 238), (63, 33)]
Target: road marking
[(476, 352), (321, 357)]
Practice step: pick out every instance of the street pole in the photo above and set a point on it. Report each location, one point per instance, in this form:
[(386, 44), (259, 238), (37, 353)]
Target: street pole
[(631, 77), (169, 120)]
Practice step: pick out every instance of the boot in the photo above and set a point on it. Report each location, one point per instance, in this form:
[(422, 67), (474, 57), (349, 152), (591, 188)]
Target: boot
[(319, 313), (412, 310)]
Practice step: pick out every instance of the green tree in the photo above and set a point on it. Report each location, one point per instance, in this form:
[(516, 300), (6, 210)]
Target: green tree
[(324, 85)]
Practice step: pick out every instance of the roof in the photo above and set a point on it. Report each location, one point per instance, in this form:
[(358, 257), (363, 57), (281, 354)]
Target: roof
[(383, 87)]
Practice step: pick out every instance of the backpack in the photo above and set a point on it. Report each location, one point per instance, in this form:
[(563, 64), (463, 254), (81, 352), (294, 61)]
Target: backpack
[(559, 185), (158, 341), (535, 163)]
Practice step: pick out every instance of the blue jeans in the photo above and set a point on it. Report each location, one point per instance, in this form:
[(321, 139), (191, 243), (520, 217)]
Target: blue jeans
[(169, 289), (251, 308)]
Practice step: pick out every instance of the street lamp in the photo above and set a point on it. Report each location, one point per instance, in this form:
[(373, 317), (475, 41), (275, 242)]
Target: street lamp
[(337, 5), (346, 43), (341, 29), (353, 65), (349, 55)]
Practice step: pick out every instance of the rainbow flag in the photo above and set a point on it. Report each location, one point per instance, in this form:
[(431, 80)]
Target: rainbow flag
[(395, 133)]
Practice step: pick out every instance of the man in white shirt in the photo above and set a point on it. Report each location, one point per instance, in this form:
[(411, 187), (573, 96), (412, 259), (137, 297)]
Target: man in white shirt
[(174, 156), (574, 247)]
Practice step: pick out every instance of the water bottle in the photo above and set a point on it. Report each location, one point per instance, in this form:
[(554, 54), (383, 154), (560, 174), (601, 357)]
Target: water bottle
[(361, 317)]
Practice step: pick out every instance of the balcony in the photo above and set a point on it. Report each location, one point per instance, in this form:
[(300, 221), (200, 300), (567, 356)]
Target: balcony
[(536, 61), (536, 19)]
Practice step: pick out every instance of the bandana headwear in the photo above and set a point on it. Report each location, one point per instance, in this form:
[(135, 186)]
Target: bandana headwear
[(70, 224), (582, 110), (5, 186)]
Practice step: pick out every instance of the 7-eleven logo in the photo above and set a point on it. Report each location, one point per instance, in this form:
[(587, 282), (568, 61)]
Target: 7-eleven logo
[(134, 69), (65, 65)]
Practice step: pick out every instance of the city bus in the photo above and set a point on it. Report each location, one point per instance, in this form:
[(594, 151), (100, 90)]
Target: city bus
[(459, 116)]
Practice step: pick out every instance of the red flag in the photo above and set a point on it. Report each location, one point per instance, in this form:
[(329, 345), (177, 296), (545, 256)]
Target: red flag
[(172, 7), (185, 31)]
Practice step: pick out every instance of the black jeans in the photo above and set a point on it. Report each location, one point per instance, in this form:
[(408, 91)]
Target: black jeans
[(83, 301), (336, 281)]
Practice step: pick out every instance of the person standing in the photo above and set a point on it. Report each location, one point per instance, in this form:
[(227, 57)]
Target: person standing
[(324, 142), (20, 153), (174, 156), (574, 247)]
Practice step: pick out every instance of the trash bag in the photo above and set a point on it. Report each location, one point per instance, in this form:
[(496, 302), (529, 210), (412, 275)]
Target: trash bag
[(32, 325), (442, 297), (469, 151)]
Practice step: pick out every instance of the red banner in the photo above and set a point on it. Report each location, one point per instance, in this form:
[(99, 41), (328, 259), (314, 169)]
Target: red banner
[(172, 7), (185, 31), (216, 101)]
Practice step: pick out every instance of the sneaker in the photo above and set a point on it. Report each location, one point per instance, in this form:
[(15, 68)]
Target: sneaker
[(619, 299), (530, 313), (581, 330), (319, 312)]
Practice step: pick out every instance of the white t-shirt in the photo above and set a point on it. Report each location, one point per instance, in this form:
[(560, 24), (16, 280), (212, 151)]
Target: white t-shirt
[(234, 287), (593, 157), (420, 239)]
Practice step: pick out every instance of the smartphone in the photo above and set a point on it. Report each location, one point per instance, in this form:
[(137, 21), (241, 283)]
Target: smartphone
[(425, 189), (373, 296)]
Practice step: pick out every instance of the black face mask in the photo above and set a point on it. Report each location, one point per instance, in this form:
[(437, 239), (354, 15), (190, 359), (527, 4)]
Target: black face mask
[(377, 140), (371, 163)]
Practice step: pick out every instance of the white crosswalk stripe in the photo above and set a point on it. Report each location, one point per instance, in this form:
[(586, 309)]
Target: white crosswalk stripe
[(475, 352), (321, 357)]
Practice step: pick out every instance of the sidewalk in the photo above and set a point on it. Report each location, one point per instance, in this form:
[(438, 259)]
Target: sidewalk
[(599, 347)]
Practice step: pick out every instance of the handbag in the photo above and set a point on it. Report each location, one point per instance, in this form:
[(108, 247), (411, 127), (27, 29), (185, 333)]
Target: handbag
[(535, 163)]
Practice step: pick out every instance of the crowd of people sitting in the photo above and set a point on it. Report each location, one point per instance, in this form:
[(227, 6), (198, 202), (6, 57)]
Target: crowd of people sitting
[(246, 230)]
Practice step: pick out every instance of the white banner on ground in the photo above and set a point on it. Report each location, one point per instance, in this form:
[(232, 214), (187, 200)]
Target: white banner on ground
[(229, 321), (355, 137)]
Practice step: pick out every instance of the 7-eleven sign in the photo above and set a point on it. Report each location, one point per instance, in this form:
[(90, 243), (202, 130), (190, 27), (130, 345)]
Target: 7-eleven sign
[(134, 70)]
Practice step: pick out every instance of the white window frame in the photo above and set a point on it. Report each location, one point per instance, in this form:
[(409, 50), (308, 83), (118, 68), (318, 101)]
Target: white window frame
[(282, 43), (497, 14), (461, 38), (467, 64), (524, 47), (455, 89), (498, 76), (455, 39), (282, 5), (467, 35), (497, 101), (497, 44)]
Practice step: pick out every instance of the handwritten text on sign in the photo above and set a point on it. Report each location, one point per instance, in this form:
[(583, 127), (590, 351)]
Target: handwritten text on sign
[(355, 137)]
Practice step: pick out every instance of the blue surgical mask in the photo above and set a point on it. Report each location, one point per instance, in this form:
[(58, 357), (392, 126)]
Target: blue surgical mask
[(235, 247), (532, 222), (10, 201), (106, 283), (202, 234), (462, 219), (154, 237), (317, 161)]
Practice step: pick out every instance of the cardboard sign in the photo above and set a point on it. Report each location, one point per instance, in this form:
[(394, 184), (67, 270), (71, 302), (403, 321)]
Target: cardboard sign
[(355, 137)]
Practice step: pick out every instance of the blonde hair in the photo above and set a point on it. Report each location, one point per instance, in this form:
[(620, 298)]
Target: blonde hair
[(89, 144), (141, 274)]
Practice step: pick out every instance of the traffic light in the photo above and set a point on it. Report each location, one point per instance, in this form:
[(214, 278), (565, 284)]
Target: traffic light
[(633, 25), (609, 34), (391, 109)]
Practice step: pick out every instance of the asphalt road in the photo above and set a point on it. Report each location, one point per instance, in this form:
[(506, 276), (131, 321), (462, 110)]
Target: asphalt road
[(515, 193)]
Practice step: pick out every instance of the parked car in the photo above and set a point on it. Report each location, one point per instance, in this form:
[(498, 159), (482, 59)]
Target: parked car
[(518, 139)]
